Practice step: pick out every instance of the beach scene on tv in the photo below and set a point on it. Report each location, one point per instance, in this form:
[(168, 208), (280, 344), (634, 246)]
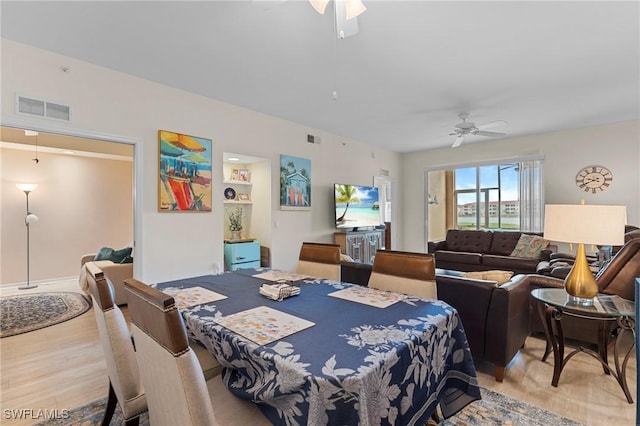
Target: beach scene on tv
[(356, 206)]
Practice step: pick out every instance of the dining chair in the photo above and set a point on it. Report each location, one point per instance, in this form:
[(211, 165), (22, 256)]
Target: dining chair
[(319, 260), (125, 386), (176, 389), (404, 272)]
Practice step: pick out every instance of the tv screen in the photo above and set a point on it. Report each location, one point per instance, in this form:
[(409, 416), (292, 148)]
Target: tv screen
[(356, 206)]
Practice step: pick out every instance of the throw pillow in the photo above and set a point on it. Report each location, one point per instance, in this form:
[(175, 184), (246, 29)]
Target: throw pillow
[(104, 254), (529, 246), (345, 258), (500, 277), (116, 256)]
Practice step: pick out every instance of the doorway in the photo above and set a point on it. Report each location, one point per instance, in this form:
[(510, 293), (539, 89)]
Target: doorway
[(85, 199)]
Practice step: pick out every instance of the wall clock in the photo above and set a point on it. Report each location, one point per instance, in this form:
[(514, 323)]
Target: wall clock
[(594, 178)]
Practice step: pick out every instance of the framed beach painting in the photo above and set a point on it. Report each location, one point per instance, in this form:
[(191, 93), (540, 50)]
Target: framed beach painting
[(184, 178), (295, 183)]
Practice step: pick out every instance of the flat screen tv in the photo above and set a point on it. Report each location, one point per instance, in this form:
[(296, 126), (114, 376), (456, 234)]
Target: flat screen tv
[(356, 206)]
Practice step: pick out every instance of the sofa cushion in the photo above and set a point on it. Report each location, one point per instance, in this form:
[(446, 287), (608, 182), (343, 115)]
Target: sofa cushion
[(469, 241), (503, 242), (458, 257), (529, 246), (116, 256), (500, 277), (519, 264)]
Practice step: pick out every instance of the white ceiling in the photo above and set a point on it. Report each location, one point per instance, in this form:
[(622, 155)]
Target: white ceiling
[(401, 81)]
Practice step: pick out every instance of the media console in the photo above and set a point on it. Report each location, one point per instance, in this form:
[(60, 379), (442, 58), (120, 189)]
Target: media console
[(360, 245)]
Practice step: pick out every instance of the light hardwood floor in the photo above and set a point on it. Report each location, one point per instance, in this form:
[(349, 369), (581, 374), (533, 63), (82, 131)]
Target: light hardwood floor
[(62, 367)]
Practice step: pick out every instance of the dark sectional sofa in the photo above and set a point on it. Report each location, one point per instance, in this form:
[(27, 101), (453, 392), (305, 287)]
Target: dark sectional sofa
[(470, 250)]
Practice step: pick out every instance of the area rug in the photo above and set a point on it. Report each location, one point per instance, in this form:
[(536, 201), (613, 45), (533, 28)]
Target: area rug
[(23, 313), (493, 409), (498, 409)]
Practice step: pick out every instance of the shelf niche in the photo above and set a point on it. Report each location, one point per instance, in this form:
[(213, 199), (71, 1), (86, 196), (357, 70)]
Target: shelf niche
[(257, 188)]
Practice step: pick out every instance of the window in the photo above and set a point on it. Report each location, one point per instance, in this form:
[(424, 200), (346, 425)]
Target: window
[(487, 197), (507, 196)]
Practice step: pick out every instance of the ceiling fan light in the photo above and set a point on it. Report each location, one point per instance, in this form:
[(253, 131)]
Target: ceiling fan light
[(354, 8), (319, 5)]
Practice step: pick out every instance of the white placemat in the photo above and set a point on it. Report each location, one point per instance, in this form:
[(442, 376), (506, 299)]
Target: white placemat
[(368, 296), (192, 296), (275, 275), (263, 325)]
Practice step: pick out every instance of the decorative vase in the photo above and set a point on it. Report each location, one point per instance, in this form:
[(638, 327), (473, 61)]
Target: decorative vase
[(236, 235)]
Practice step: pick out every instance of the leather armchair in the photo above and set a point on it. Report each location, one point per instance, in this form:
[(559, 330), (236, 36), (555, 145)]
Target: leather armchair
[(495, 318), (616, 277), (560, 264)]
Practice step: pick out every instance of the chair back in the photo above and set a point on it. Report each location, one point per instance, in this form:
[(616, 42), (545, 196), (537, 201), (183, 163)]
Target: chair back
[(404, 272), (175, 386), (319, 260), (116, 345), (618, 276)]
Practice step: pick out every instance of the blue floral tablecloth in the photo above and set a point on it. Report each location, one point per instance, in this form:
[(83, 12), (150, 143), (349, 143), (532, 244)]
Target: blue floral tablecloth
[(358, 365)]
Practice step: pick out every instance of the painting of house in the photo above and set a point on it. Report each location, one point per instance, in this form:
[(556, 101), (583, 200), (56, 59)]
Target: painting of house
[(295, 183)]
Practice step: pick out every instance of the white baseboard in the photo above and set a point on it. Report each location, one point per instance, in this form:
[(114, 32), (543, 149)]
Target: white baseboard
[(48, 281)]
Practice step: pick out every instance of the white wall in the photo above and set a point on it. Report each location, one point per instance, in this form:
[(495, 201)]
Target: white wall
[(176, 245), (615, 146), (82, 203)]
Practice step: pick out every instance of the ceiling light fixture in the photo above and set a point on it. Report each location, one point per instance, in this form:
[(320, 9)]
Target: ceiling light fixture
[(353, 8), (319, 5), (345, 11), (33, 133)]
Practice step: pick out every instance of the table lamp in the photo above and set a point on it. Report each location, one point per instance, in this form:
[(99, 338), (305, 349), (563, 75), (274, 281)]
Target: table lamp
[(584, 224)]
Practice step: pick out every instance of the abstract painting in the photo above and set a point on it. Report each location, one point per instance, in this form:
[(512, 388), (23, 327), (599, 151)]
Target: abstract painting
[(184, 181)]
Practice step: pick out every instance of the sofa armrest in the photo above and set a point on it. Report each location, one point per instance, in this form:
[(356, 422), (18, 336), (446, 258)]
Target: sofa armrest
[(507, 321), (355, 272), (116, 273), (87, 258), (471, 298), (549, 252), (537, 281), (432, 246)]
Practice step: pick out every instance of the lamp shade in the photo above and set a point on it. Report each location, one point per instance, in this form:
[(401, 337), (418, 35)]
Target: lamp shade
[(587, 224), (31, 218), (26, 187)]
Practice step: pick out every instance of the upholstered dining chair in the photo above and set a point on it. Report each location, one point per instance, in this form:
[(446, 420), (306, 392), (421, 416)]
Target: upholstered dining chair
[(125, 386), (319, 260), (177, 393), (404, 272)]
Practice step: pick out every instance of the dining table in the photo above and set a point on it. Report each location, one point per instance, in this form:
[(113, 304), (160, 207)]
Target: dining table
[(332, 354)]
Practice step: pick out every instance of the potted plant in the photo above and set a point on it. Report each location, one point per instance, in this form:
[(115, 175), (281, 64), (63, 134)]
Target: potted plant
[(235, 223)]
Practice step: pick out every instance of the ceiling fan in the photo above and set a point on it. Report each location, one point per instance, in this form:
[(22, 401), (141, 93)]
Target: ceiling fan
[(469, 128)]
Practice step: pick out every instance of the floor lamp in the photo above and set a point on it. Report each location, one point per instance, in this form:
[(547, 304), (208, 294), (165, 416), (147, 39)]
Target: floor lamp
[(30, 217)]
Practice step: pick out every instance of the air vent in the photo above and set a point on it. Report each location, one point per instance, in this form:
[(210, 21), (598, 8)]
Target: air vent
[(384, 172), (313, 139), (44, 109)]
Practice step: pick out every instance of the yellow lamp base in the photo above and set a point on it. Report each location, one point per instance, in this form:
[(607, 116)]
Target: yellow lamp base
[(580, 282)]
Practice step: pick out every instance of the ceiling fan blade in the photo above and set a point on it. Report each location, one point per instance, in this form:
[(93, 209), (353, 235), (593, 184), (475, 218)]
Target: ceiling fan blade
[(491, 124), (492, 134), (458, 141)]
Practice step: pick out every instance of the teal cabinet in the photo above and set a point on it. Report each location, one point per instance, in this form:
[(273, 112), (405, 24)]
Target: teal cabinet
[(242, 255)]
